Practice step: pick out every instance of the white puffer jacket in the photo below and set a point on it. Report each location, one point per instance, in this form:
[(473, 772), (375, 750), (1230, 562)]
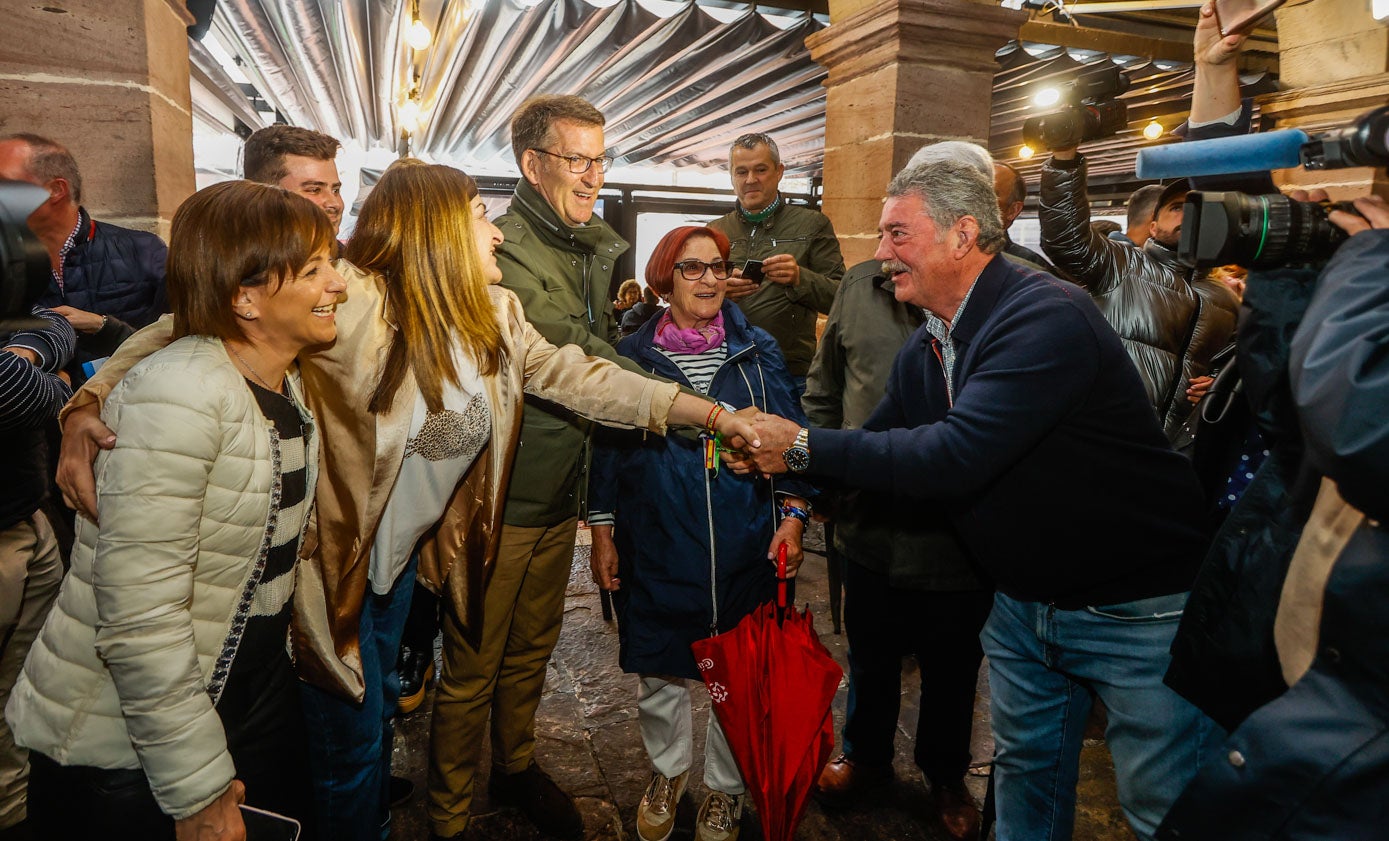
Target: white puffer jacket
[(134, 656)]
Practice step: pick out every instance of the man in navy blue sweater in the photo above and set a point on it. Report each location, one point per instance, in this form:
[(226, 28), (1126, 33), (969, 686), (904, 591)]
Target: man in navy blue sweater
[(1016, 410)]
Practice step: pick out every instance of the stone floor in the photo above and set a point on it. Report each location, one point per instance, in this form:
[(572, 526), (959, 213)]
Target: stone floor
[(588, 741)]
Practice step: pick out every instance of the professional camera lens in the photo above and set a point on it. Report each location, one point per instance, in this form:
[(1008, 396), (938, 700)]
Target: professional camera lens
[(1255, 231)]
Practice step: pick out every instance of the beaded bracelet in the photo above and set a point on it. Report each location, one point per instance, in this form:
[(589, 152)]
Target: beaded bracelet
[(801, 514)]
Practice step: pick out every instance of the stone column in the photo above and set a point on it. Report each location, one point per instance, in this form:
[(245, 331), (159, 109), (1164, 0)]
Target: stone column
[(902, 73), (108, 79), (1334, 60)]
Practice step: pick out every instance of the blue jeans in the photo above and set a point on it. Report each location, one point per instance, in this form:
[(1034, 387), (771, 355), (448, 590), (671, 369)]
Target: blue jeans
[(350, 744), (1044, 663)]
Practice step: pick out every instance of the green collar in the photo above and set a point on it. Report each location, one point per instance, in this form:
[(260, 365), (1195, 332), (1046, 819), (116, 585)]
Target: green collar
[(762, 215), (545, 221)]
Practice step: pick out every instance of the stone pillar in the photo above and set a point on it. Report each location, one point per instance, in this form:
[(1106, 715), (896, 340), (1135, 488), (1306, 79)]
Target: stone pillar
[(108, 79), (1334, 60), (902, 73)]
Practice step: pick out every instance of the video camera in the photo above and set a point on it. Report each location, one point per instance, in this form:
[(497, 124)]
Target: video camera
[(1263, 231), (1090, 110), (24, 266)]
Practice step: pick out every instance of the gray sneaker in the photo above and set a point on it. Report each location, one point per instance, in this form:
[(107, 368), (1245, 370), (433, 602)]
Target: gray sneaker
[(656, 813), (720, 817)]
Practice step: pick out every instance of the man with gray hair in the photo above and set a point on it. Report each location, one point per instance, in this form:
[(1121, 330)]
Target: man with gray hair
[(801, 261), (1016, 411), (106, 280)]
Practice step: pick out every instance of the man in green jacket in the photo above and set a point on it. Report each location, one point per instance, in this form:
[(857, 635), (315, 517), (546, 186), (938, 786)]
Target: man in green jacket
[(559, 258), (801, 262)]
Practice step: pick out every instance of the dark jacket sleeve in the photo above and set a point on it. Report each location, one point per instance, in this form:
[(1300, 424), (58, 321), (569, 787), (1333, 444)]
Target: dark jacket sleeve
[(1095, 262), (1340, 372), (1039, 365)]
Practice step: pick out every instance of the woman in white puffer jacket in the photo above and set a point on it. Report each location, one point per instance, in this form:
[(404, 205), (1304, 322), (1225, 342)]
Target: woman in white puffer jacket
[(159, 695)]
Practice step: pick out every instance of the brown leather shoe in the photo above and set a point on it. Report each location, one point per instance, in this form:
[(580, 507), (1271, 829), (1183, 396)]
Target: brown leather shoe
[(958, 812), (843, 777)]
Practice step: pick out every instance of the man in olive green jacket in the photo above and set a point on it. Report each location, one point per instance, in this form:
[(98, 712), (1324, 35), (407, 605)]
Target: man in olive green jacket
[(801, 262), (559, 260)]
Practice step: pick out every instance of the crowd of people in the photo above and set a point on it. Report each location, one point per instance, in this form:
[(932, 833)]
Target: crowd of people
[(296, 461)]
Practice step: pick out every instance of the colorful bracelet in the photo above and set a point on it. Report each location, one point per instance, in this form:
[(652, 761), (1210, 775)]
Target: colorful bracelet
[(801, 514), (713, 417)]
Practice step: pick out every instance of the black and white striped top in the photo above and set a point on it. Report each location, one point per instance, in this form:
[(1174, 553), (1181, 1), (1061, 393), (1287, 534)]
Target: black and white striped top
[(267, 626), (698, 368)]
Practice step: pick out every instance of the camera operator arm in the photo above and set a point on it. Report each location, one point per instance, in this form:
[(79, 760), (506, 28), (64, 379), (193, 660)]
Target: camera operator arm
[(1215, 91), (1082, 256)]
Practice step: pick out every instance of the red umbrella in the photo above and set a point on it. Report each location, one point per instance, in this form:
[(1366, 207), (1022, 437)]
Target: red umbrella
[(771, 682)]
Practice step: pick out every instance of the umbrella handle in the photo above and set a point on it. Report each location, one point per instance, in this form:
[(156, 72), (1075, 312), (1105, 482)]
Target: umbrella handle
[(781, 578)]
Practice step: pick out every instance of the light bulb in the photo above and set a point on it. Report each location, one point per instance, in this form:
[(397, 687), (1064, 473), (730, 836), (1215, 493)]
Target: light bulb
[(1046, 97), (418, 36), (1153, 130), (408, 115), (1026, 151)]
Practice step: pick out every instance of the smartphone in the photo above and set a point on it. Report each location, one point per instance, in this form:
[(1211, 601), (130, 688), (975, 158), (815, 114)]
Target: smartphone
[(1239, 17), (752, 270), (268, 826)]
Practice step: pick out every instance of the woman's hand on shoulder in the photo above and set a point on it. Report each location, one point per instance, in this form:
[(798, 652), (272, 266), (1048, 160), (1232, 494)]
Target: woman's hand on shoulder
[(219, 820)]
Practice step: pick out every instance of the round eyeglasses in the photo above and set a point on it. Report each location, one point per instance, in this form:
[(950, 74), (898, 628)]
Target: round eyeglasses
[(695, 269), (579, 164)]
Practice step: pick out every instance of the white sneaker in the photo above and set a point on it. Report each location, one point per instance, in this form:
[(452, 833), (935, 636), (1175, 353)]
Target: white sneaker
[(720, 817), (656, 813)]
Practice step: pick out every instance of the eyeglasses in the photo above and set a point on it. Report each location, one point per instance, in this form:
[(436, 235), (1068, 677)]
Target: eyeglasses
[(695, 269), (579, 164)]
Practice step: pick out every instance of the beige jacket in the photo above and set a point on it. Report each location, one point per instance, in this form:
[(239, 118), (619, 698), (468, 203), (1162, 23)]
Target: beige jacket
[(362, 453), (132, 660)]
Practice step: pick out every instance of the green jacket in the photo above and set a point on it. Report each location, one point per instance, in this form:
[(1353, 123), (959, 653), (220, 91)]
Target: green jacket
[(562, 276), (788, 313), (913, 543)]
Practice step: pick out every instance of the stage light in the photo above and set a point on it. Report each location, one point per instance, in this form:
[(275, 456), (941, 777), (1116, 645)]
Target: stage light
[(1026, 151), (418, 36), (408, 115), (1153, 130), (1047, 97)]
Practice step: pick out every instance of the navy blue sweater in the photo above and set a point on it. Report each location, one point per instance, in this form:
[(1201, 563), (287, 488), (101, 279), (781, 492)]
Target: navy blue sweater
[(1051, 462)]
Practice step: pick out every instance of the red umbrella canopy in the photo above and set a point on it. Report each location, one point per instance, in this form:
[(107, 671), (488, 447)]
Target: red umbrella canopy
[(771, 682)]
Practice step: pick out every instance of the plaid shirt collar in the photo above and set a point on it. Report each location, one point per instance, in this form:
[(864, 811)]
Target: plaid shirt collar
[(68, 244), (939, 328)]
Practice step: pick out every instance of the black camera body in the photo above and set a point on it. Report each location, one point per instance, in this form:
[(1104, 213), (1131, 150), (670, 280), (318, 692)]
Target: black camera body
[(1257, 232), (24, 266), (1091, 110)]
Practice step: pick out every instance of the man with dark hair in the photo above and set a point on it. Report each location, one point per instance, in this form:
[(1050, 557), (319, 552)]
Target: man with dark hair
[(31, 392), (1013, 408), (801, 261), (1011, 189), (299, 160), (559, 259), (1141, 206), (1172, 320), (107, 280)]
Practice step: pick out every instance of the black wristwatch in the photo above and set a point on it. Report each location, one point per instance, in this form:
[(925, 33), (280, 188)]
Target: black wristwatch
[(797, 456)]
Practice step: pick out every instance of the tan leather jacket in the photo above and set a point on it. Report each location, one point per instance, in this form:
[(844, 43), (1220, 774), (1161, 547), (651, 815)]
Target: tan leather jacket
[(361, 454)]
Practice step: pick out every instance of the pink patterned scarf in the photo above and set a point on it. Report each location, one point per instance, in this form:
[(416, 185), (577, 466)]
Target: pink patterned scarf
[(690, 339)]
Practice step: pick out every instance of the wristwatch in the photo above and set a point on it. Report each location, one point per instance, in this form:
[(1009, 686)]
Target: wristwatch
[(797, 456)]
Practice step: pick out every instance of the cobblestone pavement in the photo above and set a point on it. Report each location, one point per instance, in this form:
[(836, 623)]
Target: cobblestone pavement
[(588, 741)]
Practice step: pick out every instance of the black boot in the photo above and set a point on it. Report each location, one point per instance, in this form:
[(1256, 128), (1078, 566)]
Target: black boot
[(539, 798)]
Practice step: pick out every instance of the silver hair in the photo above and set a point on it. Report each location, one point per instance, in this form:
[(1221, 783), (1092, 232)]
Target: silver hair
[(955, 150), (952, 189), (48, 160), (752, 141)]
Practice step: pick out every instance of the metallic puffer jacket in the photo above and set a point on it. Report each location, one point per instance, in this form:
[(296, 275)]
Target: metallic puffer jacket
[(1171, 326)]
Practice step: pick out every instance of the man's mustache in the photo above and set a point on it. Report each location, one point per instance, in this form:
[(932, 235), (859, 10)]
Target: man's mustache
[(893, 267)]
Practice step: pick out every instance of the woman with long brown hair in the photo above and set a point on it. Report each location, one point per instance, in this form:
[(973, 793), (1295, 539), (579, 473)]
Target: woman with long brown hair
[(419, 403)]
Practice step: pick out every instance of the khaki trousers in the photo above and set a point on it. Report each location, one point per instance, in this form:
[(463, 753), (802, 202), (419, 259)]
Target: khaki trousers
[(31, 569), (522, 611)]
